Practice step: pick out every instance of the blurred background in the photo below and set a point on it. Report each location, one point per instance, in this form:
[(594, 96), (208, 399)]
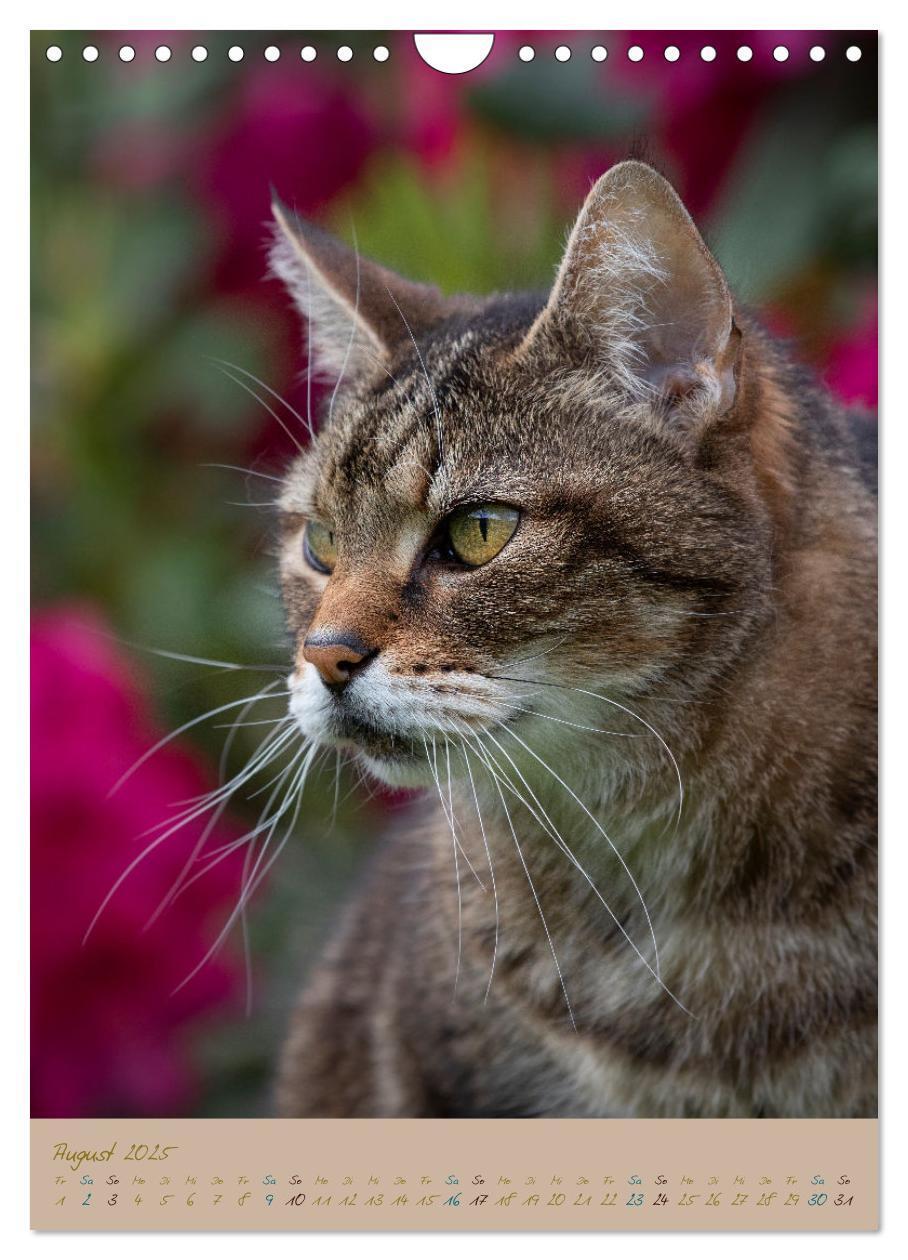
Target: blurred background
[(150, 195)]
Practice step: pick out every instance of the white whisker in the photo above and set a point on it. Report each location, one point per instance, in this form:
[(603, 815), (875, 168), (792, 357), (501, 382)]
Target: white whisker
[(526, 871), (258, 398), (352, 338), (252, 472), (257, 876), (595, 823), (655, 973), (224, 708), (433, 767), (206, 802), (577, 726), (273, 392), (212, 822), (597, 695), (485, 842)]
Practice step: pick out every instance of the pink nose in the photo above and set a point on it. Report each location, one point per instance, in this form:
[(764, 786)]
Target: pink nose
[(335, 661)]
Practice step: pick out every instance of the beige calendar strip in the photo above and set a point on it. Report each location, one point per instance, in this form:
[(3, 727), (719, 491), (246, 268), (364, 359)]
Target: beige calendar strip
[(454, 1174)]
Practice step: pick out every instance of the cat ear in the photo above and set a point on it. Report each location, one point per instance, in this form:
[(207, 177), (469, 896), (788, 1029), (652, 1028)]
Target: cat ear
[(638, 289), (357, 311)]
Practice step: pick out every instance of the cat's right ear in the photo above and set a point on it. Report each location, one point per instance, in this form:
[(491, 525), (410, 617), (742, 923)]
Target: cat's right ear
[(357, 311)]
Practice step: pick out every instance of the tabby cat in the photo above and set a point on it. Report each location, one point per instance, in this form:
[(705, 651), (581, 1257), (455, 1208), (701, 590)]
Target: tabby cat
[(597, 569)]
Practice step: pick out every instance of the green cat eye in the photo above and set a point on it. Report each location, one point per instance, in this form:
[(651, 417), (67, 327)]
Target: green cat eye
[(477, 534), (319, 547)]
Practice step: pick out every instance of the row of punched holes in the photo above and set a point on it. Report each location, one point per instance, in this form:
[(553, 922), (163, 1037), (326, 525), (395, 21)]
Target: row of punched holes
[(381, 53)]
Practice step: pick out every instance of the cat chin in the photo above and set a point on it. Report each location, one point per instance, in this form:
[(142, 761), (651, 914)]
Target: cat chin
[(398, 772)]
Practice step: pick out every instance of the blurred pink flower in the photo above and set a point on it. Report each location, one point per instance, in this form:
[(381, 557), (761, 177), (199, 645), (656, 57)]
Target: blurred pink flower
[(107, 1036), (853, 364), (290, 129)]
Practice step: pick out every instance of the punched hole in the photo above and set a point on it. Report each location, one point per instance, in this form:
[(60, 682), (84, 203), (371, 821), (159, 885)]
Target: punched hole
[(453, 54)]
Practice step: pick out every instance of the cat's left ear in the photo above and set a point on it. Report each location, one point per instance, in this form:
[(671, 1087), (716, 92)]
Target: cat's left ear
[(639, 291), (357, 311)]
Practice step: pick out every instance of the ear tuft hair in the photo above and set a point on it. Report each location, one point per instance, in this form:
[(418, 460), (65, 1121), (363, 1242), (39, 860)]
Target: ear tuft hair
[(312, 267), (357, 311), (641, 294)]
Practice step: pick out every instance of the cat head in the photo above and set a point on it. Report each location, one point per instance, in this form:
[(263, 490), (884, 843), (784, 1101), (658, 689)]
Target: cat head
[(517, 505)]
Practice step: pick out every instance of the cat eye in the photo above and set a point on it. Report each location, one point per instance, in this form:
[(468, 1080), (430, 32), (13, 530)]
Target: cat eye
[(319, 547), (477, 533)]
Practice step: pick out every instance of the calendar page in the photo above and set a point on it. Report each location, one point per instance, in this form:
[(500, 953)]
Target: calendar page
[(454, 630), (444, 1175)]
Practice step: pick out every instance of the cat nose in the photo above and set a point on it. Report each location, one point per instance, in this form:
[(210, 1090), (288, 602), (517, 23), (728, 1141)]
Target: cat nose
[(336, 657)]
